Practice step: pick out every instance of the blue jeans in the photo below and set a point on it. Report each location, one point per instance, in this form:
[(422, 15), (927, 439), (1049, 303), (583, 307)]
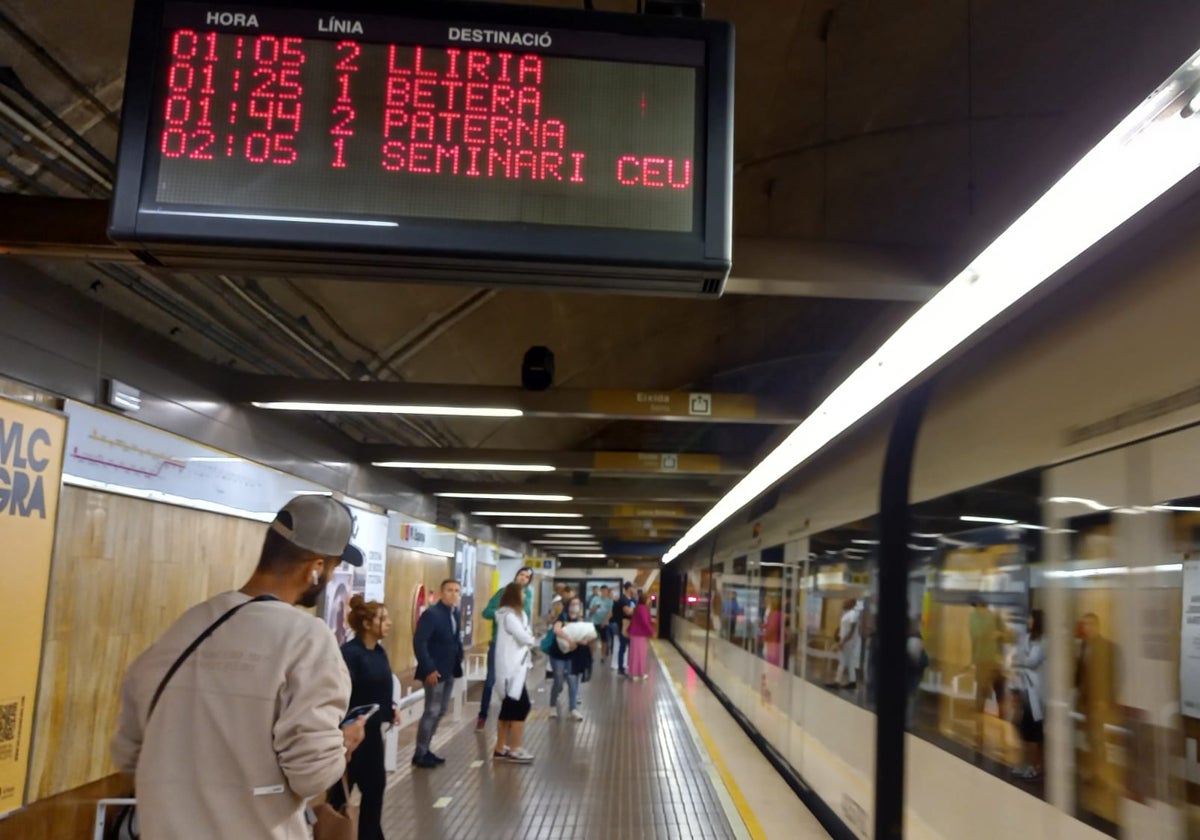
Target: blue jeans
[(562, 671), (485, 702), (624, 649)]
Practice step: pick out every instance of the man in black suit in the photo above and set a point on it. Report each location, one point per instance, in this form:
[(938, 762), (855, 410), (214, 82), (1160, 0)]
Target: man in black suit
[(439, 650)]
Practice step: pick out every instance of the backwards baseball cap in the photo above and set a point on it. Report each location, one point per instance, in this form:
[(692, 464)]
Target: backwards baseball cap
[(320, 524)]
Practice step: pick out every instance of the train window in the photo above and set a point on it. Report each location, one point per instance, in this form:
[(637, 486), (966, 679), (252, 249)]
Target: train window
[(975, 644), (837, 605)]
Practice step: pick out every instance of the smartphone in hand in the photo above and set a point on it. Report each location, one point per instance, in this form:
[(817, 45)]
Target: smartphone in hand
[(359, 711)]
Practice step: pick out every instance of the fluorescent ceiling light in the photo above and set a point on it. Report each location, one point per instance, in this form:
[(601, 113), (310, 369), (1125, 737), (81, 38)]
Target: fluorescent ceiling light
[(566, 545), (989, 519), (926, 536), (1178, 508), (543, 526), (865, 542), (391, 408), (572, 536), (517, 514), (508, 497), (1027, 527), (1075, 500), (456, 465), (1147, 153), (583, 556)]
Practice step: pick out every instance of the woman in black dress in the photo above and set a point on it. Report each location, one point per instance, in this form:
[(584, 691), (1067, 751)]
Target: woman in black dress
[(371, 682)]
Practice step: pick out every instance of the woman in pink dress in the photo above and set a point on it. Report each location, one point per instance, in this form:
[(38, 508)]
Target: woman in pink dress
[(641, 628)]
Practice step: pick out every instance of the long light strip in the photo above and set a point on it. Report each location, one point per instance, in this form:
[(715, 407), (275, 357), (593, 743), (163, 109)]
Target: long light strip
[(1148, 152), (520, 514), (583, 556), (568, 536), (544, 526), (508, 497), (391, 408), (457, 465), (994, 520)]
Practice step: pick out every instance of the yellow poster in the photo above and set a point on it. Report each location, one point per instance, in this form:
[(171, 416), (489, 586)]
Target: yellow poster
[(31, 454)]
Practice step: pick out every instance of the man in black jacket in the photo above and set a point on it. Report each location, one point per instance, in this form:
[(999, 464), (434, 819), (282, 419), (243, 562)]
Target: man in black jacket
[(439, 650)]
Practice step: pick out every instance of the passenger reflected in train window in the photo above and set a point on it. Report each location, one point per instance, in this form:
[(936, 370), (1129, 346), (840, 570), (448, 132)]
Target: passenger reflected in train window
[(988, 636), (1029, 690), (772, 631), (1096, 699)]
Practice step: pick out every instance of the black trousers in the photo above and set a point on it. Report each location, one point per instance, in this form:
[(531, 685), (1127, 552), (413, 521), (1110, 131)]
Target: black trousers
[(366, 771)]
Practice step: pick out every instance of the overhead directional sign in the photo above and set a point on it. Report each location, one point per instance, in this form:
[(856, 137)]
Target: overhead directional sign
[(657, 462), (675, 404), (651, 512)]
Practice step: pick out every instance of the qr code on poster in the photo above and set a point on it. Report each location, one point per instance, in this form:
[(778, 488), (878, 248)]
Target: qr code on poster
[(10, 722)]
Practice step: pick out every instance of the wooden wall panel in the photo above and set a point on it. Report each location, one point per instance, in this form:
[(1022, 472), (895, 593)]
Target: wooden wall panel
[(406, 571), (124, 569)]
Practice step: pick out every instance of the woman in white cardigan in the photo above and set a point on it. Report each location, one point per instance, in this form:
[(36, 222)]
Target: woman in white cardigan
[(514, 655)]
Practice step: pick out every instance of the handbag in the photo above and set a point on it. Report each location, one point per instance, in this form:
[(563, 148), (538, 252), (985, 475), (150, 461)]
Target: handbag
[(547, 644), (127, 820), (337, 824)]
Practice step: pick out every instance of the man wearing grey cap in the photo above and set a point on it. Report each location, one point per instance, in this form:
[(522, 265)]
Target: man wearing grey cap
[(230, 721)]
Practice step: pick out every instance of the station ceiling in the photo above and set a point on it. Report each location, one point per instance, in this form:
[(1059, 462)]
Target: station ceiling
[(878, 146)]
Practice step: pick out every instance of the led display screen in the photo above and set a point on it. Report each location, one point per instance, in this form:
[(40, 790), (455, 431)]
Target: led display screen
[(347, 125)]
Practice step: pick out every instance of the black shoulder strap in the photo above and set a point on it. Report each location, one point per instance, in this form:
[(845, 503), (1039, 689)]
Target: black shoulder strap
[(195, 644)]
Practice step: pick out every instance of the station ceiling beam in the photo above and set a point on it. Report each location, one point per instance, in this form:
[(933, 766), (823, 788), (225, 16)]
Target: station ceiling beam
[(76, 228), (326, 395)]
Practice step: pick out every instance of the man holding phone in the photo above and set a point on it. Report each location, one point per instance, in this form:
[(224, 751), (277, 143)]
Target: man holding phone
[(234, 717), (438, 647)]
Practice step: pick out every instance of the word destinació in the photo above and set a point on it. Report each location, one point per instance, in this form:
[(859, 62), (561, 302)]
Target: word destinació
[(500, 36)]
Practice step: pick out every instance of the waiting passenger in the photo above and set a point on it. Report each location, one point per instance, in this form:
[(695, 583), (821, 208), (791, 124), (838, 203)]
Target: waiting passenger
[(622, 613), (568, 666), (641, 628), (849, 646), (523, 576), (599, 613), (231, 741), (370, 682), (514, 656), (1029, 665), (439, 651), (988, 636)]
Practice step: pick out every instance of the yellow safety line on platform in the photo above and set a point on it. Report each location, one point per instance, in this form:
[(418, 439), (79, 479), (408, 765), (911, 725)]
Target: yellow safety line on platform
[(735, 793)]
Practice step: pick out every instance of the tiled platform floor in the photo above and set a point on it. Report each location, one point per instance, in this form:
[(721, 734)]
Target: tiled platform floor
[(628, 771)]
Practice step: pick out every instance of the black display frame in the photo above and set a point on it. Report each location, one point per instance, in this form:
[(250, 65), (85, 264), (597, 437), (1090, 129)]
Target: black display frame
[(509, 246)]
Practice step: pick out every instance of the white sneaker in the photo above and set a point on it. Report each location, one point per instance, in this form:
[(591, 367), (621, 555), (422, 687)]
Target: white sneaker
[(576, 714), (554, 711), (520, 756)]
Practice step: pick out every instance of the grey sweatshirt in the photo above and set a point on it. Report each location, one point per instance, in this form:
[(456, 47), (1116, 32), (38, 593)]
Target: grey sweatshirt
[(245, 732)]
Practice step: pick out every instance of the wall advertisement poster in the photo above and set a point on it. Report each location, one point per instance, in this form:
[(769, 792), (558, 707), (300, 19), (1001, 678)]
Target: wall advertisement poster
[(31, 457)]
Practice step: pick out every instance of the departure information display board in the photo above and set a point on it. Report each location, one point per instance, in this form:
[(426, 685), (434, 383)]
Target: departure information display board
[(373, 129), (298, 118)]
